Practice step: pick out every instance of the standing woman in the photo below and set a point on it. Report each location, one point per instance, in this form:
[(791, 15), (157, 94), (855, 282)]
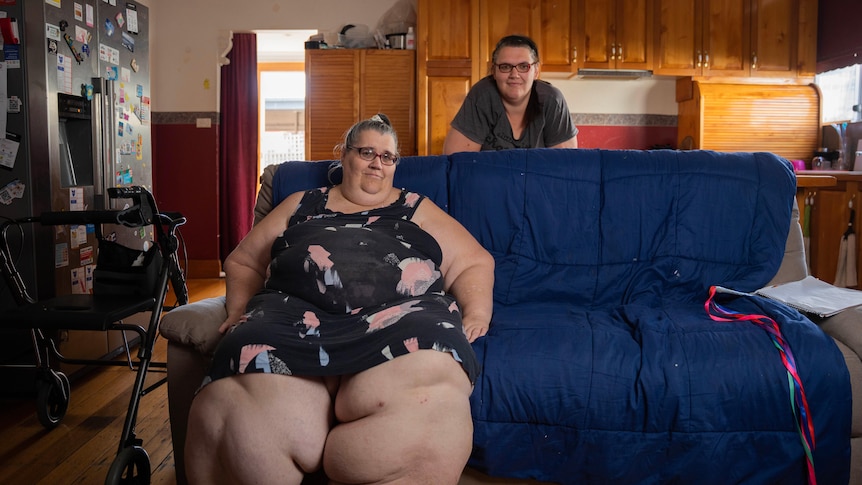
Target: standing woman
[(511, 107)]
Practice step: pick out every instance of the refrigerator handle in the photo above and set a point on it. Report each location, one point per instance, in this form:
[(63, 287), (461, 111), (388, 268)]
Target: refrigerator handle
[(104, 142)]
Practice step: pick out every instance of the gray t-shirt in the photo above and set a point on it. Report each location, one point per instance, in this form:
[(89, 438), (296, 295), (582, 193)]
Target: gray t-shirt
[(482, 118)]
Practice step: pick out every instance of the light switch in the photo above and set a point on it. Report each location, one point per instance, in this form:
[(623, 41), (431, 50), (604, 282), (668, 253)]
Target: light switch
[(204, 123)]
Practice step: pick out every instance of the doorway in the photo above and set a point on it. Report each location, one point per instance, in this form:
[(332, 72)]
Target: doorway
[(281, 88)]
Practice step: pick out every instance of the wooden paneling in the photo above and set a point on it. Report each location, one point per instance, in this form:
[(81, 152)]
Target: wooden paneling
[(783, 119), (774, 37), (830, 213), (445, 97), (388, 86), (331, 99), (344, 86), (678, 37)]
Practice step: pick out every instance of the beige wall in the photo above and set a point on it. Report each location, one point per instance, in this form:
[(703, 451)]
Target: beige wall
[(188, 38)]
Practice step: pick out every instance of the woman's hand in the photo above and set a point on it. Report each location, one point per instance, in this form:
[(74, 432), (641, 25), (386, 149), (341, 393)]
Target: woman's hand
[(231, 322), (474, 328)]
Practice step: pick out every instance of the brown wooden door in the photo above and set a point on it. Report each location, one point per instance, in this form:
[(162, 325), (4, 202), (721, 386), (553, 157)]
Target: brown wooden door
[(556, 36), (447, 42), (549, 23), (331, 99), (774, 26), (678, 44), (388, 85), (726, 38), (616, 33), (633, 32), (596, 22)]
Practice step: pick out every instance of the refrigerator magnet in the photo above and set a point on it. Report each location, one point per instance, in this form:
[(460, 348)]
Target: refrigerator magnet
[(134, 64), (109, 27)]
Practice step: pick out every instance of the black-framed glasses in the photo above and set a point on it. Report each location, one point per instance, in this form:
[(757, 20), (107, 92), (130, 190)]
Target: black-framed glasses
[(368, 154), (521, 67)]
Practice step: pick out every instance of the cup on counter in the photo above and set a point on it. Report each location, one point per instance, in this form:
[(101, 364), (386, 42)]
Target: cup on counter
[(821, 163), (798, 165)]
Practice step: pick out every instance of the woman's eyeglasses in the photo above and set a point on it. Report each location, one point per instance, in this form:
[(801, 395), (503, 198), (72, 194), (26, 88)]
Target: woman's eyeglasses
[(368, 154), (522, 67)]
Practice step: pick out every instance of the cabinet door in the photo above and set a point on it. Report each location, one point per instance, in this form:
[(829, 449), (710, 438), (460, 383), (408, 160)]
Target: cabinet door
[(726, 34), (447, 47), (388, 85), (678, 38), (633, 32), (773, 37), (556, 36), (595, 19), (548, 22), (500, 19), (331, 99)]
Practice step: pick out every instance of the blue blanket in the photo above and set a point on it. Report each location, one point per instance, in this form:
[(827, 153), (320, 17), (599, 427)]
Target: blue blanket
[(601, 364)]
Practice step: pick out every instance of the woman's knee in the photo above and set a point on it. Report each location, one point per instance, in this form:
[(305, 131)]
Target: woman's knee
[(284, 420)]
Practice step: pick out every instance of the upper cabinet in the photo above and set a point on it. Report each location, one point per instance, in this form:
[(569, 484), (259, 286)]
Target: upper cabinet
[(348, 85), (550, 23), (735, 38), (447, 50), (615, 34)]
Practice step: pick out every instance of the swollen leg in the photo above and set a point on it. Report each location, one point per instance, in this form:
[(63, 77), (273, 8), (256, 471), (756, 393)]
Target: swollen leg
[(406, 423), (257, 428)]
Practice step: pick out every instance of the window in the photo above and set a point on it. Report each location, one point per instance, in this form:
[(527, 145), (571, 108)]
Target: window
[(842, 94)]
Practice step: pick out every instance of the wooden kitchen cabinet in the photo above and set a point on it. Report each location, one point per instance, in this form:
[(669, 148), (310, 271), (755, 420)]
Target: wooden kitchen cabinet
[(735, 38), (550, 23), (615, 34), (748, 117), (447, 48), (830, 213), (344, 86), (701, 37)]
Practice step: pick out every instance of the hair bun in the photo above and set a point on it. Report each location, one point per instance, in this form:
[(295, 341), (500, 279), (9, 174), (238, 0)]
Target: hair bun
[(382, 118)]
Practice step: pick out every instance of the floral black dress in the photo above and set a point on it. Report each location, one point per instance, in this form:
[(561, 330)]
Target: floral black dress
[(345, 293)]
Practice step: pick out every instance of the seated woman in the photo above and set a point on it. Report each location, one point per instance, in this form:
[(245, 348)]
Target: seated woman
[(350, 315)]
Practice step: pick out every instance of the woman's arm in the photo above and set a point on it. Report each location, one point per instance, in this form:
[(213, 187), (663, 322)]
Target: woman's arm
[(468, 269), (570, 143), (458, 142), (245, 268)]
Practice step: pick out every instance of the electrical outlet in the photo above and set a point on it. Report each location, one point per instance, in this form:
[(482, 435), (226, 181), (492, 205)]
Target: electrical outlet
[(204, 123)]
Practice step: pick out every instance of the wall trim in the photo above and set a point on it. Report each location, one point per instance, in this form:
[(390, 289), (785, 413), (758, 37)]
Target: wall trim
[(183, 117), (599, 119)]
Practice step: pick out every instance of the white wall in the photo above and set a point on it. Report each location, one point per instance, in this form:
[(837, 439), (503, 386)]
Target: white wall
[(188, 38), (654, 96)]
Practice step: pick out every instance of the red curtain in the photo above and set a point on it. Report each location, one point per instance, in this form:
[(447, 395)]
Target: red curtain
[(238, 140)]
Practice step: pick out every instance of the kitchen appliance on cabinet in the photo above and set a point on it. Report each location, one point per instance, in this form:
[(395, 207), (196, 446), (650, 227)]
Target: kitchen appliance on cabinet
[(77, 123)]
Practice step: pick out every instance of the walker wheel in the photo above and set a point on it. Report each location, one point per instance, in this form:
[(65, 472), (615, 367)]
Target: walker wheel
[(130, 467), (52, 398)]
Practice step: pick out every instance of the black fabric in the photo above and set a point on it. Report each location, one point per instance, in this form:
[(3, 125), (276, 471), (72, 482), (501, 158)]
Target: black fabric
[(124, 271)]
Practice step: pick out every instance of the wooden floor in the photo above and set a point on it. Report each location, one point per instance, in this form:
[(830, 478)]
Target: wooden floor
[(81, 449)]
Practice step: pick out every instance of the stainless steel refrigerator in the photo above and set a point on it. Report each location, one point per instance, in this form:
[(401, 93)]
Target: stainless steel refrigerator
[(77, 121)]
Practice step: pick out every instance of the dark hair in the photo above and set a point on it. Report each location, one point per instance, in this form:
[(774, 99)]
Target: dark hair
[(516, 41), (379, 123)]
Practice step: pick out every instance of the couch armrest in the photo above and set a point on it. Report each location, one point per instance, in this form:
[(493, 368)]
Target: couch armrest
[(793, 265), (196, 324), (264, 194)]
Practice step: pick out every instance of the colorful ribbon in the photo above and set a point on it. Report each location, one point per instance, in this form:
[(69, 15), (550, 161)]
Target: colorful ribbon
[(798, 401)]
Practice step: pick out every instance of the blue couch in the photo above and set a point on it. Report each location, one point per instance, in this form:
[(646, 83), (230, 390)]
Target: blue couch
[(602, 364)]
